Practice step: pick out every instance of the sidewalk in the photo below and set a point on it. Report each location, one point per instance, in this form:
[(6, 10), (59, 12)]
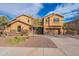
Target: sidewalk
[(22, 51)]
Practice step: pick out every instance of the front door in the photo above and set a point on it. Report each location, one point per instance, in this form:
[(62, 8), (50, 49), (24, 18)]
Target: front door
[(59, 31), (19, 28)]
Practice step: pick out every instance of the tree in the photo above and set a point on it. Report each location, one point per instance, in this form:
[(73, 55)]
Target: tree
[(37, 25), (3, 21), (36, 22)]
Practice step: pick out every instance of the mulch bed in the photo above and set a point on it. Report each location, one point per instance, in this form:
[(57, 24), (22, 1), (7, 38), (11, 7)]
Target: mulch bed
[(36, 42)]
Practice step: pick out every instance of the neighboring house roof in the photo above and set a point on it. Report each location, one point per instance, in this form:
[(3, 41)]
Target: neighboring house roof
[(73, 21)]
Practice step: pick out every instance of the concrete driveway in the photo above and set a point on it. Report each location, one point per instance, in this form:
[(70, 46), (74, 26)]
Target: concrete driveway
[(65, 46)]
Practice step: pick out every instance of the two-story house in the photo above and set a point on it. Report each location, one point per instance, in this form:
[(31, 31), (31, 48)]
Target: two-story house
[(53, 24)]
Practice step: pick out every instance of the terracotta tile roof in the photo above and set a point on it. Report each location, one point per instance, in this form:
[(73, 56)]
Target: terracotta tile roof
[(53, 14), (18, 21)]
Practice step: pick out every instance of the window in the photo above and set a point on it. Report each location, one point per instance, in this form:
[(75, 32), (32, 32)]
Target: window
[(56, 19)]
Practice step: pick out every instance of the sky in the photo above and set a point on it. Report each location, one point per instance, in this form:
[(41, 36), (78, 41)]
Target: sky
[(39, 10)]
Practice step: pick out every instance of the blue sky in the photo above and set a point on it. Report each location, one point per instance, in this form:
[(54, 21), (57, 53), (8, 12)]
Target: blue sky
[(39, 10)]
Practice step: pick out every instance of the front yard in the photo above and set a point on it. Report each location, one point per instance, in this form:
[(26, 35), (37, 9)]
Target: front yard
[(11, 40), (14, 40)]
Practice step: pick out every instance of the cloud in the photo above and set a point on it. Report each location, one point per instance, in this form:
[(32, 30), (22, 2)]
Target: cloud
[(66, 10), (20, 8)]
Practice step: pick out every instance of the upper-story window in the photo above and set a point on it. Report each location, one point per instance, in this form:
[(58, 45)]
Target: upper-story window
[(28, 20), (56, 19), (47, 20)]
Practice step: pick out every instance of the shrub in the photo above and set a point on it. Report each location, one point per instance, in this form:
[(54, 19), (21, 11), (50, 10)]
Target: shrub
[(15, 40)]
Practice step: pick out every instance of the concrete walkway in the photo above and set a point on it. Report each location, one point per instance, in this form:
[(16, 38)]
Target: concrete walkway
[(66, 46)]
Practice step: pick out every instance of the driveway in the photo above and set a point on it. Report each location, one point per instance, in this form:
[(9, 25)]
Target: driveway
[(37, 42), (44, 45), (68, 45)]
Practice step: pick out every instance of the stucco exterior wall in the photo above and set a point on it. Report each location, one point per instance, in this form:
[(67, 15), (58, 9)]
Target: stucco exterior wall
[(52, 24), (15, 25)]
